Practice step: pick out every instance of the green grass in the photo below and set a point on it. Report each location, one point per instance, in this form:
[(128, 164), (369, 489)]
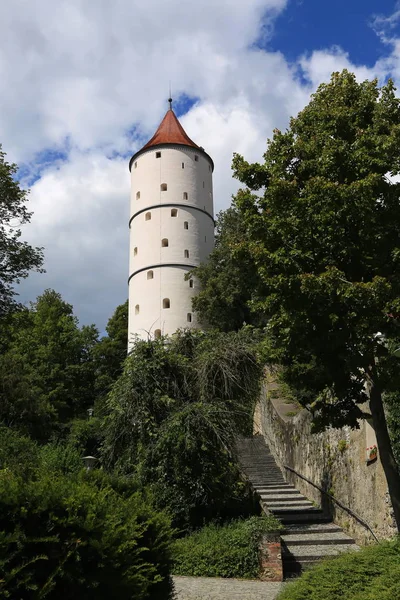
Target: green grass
[(229, 550), (373, 573)]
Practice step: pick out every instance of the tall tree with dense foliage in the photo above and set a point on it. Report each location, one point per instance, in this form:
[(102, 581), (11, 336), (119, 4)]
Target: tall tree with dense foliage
[(227, 278), (110, 352), (47, 372), (322, 216), (17, 258)]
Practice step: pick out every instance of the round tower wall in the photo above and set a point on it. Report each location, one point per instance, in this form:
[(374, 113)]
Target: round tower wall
[(171, 231)]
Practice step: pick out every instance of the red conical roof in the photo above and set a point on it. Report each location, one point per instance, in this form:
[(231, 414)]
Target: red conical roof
[(170, 131)]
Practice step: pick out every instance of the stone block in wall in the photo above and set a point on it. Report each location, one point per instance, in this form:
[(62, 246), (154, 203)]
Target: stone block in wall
[(270, 558)]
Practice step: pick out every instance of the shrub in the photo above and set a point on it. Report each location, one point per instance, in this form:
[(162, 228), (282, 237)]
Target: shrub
[(18, 452), (86, 435), (59, 458), (371, 573), (191, 473), (223, 551), (62, 538)]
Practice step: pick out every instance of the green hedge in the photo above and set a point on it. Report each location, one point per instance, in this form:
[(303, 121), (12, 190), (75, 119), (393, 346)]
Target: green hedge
[(371, 573), (64, 537), (223, 551)]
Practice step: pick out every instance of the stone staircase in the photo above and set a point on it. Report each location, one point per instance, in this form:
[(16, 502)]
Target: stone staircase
[(309, 534)]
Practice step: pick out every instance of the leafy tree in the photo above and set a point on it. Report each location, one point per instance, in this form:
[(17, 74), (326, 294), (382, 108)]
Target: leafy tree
[(17, 258), (227, 278), (173, 416), (323, 231), (111, 350), (47, 373)]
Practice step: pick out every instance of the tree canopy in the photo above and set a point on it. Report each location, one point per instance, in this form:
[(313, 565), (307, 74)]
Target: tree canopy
[(17, 258), (322, 219), (47, 372), (227, 278), (110, 352)]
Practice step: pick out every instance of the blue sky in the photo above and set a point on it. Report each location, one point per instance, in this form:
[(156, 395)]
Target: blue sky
[(308, 25), (84, 84)]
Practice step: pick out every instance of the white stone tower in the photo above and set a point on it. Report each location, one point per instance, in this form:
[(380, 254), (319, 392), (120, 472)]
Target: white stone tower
[(171, 229)]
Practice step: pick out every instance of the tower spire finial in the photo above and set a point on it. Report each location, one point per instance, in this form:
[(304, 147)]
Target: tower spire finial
[(170, 97)]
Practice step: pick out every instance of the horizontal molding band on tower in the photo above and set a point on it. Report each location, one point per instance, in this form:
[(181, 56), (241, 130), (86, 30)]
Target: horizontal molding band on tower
[(173, 205), (150, 267)]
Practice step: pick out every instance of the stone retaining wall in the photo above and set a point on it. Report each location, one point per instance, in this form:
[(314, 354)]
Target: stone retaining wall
[(334, 460)]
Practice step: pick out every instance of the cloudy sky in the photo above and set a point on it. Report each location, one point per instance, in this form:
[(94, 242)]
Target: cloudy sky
[(84, 83)]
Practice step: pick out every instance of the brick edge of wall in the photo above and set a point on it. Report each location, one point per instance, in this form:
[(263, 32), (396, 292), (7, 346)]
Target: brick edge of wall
[(270, 558)]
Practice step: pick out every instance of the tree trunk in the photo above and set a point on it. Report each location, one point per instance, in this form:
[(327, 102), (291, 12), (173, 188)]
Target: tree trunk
[(383, 441)]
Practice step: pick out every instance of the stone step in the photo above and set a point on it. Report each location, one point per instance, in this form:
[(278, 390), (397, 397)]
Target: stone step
[(289, 540), (301, 510), (306, 528), (264, 477), (266, 464), (274, 507), (275, 491), (269, 471), (284, 485), (315, 552), (300, 517), (251, 462), (282, 497), (264, 474), (262, 484), (292, 503), (267, 480)]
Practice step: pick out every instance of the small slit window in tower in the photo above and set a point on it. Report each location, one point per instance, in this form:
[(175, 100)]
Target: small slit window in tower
[(157, 334), (185, 225), (137, 309), (147, 216), (189, 317), (186, 253), (174, 212), (164, 243), (166, 303), (137, 195), (150, 274), (158, 154), (163, 187), (136, 165), (196, 158), (135, 251), (183, 165), (191, 283), (185, 195), (203, 183), (205, 238)]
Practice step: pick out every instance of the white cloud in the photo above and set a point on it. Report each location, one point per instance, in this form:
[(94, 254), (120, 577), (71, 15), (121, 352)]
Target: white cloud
[(91, 78), (81, 213)]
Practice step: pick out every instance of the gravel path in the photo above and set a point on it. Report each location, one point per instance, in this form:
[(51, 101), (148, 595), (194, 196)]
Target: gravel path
[(215, 588)]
